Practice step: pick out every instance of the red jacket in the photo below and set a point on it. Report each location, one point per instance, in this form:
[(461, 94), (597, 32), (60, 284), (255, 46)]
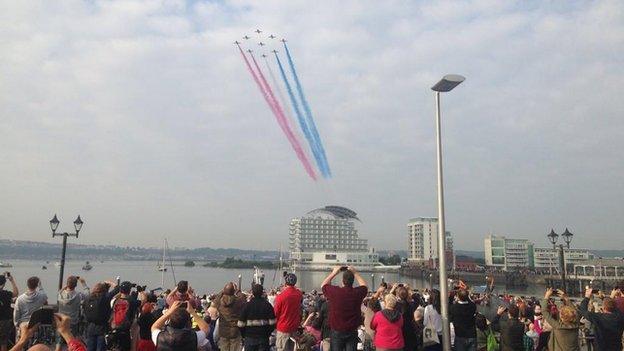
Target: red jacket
[(288, 310), (388, 333)]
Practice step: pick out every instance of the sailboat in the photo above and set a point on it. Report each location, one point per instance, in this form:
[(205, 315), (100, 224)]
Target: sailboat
[(161, 265)]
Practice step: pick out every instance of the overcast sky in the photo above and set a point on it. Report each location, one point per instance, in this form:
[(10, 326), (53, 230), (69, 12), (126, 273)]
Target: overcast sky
[(141, 117)]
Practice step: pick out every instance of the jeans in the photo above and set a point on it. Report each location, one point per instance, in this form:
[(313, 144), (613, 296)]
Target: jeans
[(465, 344), (256, 344), (343, 341), (96, 343)]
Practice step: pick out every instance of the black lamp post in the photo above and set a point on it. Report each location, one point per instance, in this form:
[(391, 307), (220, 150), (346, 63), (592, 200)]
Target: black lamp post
[(553, 237), (54, 222), (567, 237)]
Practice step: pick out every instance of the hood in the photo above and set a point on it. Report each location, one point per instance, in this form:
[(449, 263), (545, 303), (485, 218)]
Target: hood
[(391, 315), (68, 296), (33, 296), (227, 300)]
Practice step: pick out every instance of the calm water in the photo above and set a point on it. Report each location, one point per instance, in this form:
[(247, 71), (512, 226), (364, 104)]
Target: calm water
[(204, 280)]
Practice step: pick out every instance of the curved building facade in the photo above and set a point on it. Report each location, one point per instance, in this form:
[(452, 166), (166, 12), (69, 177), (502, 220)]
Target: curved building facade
[(327, 237)]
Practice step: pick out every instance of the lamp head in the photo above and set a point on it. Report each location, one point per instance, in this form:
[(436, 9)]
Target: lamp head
[(448, 83), (54, 222), (553, 237), (78, 224), (567, 236)]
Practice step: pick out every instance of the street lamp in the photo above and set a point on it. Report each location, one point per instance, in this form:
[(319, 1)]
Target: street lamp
[(567, 237), (446, 84), (54, 223), (553, 237)]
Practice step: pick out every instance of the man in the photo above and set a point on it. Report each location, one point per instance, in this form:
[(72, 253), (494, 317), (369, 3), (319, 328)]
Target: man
[(124, 309), (6, 312), (257, 321), (179, 335), (183, 292), (69, 302), (344, 309), (63, 328), (511, 330), (608, 325), (229, 304), (287, 311), (462, 315), (33, 299), (97, 309)]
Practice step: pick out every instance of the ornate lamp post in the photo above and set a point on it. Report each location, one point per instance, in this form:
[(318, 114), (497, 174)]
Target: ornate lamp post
[(567, 237), (552, 237), (54, 223)]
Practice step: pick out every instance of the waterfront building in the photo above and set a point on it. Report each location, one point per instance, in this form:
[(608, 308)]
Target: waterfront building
[(422, 241), (546, 258), (327, 237), (508, 254)]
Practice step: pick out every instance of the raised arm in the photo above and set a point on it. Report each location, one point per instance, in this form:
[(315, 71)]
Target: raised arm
[(160, 322), (583, 310), (201, 323), (14, 286), (331, 276), (358, 277)]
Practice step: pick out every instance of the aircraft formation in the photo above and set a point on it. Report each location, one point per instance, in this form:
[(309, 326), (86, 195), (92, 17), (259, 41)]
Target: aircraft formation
[(275, 99)]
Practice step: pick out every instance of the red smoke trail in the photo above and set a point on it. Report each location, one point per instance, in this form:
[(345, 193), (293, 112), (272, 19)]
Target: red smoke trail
[(279, 114)]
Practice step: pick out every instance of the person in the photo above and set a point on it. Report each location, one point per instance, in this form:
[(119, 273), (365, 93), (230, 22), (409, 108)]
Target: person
[(407, 306), (123, 311), (63, 328), (608, 325), (419, 327), (229, 304), (483, 330), (432, 316), (388, 326), (6, 312), (178, 335), (257, 321), (565, 331), (344, 308), (462, 315), (33, 299), (146, 320), (96, 309), (183, 292), (323, 323), (69, 303), (287, 311), (511, 330)]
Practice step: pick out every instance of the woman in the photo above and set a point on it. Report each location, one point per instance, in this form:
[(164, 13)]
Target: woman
[(388, 324), (96, 309), (146, 319), (432, 316), (565, 331)]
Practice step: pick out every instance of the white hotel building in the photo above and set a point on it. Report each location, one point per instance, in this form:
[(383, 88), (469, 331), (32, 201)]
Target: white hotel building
[(422, 242), (327, 237)]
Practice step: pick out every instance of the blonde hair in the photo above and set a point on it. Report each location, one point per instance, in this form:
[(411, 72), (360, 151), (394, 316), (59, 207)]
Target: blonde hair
[(567, 315), (390, 301)]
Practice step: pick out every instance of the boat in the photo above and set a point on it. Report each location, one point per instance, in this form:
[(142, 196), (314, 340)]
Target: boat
[(57, 264), (189, 264), (44, 267), (87, 266), (5, 265), (161, 265)]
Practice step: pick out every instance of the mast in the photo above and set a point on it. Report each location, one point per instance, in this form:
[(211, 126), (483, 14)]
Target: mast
[(162, 266)]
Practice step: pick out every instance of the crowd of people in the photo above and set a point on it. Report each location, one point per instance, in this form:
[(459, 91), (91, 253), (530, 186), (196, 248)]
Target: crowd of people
[(342, 316)]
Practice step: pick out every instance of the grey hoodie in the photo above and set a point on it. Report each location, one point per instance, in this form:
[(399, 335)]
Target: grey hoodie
[(70, 302), (27, 303)]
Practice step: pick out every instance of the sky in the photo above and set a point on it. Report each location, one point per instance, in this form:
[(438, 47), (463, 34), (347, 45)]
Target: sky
[(141, 117)]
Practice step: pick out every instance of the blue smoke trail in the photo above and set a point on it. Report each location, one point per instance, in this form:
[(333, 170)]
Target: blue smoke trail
[(301, 118), (310, 121)]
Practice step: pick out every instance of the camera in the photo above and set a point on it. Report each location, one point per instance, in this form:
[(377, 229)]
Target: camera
[(7, 274), (400, 285), (140, 288), (343, 268), (184, 305)]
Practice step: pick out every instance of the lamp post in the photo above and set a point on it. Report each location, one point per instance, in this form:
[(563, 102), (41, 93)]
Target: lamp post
[(567, 237), (552, 237), (446, 84), (54, 223)]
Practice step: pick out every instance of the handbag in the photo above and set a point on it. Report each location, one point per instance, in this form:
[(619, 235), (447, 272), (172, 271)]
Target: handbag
[(492, 344), (430, 335)]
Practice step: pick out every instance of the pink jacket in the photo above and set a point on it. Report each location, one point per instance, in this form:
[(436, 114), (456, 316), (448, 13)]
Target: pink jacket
[(388, 334)]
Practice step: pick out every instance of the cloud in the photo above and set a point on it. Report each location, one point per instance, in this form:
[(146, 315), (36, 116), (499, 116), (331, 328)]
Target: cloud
[(139, 115)]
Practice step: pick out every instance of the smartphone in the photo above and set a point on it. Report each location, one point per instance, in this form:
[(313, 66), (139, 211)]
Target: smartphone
[(344, 268), (43, 316), (184, 305), (8, 274), (400, 285)]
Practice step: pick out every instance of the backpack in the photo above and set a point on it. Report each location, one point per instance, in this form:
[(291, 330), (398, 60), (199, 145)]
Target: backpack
[(91, 310), (6, 312), (120, 314)]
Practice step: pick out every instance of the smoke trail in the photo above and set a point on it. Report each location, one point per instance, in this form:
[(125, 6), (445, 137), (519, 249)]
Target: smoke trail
[(308, 111), (276, 111), (280, 95), (302, 121)]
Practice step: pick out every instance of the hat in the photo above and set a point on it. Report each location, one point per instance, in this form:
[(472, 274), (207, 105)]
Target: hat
[(125, 287), (290, 279)]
